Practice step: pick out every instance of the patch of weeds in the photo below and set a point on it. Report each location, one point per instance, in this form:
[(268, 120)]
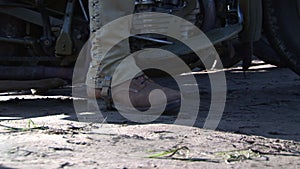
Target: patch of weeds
[(228, 156), (71, 129), (181, 154), (31, 126), (240, 155)]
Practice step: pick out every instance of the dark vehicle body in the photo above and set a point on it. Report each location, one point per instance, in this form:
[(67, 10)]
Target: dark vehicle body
[(42, 38)]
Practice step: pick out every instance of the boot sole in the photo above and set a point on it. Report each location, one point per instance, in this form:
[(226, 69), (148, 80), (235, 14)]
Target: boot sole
[(172, 108)]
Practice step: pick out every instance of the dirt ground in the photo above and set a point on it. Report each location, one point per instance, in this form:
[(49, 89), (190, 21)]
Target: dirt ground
[(259, 129)]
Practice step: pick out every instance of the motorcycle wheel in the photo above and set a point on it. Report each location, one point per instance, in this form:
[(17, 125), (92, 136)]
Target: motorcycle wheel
[(263, 51), (227, 55), (225, 49), (282, 28)]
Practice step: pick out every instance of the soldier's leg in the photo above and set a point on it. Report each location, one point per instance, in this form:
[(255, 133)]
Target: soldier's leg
[(103, 65), (103, 12)]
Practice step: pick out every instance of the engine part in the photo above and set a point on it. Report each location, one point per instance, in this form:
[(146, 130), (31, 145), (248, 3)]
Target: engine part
[(64, 44), (209, 20)]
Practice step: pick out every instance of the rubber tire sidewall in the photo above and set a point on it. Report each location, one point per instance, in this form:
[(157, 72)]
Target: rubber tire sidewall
[(282, 28)]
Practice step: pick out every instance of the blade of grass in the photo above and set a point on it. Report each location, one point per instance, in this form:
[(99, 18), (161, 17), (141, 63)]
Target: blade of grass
[(169, 153)]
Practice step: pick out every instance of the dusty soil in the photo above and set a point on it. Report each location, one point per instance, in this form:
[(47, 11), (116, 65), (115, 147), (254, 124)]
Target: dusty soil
[(259, 129)]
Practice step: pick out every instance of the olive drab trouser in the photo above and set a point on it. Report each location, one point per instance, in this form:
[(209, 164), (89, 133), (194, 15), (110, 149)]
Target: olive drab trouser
[(103, 12)]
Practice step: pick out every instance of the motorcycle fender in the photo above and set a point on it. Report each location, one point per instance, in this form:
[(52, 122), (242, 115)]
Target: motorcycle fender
[(252, 20)]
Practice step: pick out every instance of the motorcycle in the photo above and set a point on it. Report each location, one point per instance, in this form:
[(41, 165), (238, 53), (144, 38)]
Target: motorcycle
[(42, 38)]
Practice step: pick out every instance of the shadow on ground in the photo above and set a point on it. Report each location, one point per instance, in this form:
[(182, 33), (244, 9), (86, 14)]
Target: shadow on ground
[(265, 102)]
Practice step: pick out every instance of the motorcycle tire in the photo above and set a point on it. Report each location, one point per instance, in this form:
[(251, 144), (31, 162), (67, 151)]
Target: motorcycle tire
[(263, 51), (227, 55), (282, 28)]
